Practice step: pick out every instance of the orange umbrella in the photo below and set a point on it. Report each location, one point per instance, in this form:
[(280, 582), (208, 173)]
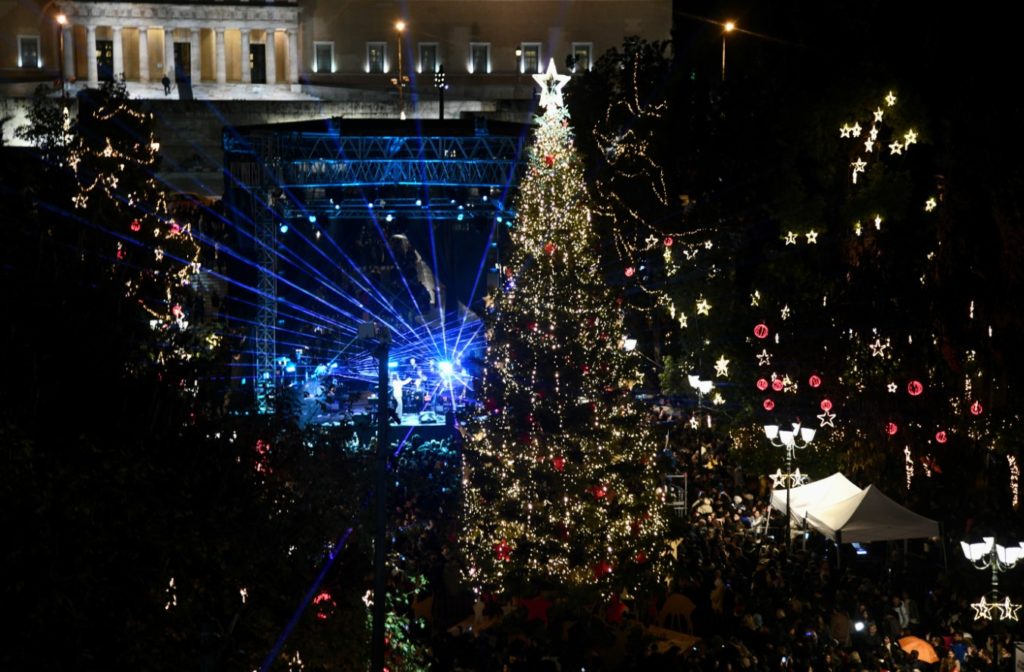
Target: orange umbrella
[(925, 651)]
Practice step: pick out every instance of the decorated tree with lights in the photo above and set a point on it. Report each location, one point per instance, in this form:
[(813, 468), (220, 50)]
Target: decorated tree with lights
[(561, 485)]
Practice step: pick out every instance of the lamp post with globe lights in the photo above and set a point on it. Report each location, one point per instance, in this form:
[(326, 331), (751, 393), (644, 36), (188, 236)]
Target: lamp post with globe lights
[(791, 440), (988, 555), (727, 28), (402, 79)]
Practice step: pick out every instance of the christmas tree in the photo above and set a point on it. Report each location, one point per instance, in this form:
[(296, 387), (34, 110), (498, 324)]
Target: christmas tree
[(561, 483)]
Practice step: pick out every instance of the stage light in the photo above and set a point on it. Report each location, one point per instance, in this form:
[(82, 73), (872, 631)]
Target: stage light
[(312, 219), (284, 228), (460, 217), (389, 217), (290, 368), (859, 626), (392, 364), (445, 368)]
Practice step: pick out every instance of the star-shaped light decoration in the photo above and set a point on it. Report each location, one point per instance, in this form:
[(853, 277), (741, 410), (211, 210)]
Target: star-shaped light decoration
[(784, 313), (812, 237), (878, 222), (930, 204), (703, 307), (650, 241), (778, 479), (791, 237), (855, 131), (717, 399), (796, 479), (845, 130), (722, 367), (755, 298), (858, 167), (982, 609), (890, 99), (892, 387), (896, 147), (869, 145), (910, 137), (873, 134), (551, 84), (826, 419), (763, 358), (857, 228), (878, 115), (684, 321), (878, 347), (1008, 610), (695, 422)]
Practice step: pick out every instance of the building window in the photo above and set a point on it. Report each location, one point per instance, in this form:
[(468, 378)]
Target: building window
[(428, 57), (582, 56), (375, 57), (529, 59), (479, 58), (28, 51), (323, 57)]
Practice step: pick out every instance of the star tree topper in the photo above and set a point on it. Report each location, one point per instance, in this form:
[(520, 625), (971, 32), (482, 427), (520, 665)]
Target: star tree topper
[(551, 84)]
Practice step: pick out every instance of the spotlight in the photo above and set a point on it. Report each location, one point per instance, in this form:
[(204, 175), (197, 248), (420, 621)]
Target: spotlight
[(419, 202), (389, 217), (312, 219), (392, 364), (284, 228), (859, 626), (445, 368), (461, 217)]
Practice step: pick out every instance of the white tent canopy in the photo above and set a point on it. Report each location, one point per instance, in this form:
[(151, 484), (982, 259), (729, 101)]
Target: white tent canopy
[(869, 516), (821, 493)]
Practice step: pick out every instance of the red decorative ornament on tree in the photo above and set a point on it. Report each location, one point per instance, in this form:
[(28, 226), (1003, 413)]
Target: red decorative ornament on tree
[(761, 330), (762, 384), (814, 380), (668, 241), (777, 385), (558, 463), (630, 271), (768, 404), (976, 408), (602, 569), (549, 248), (549, 160), (940, 436), (136, 225), (915, 388), (891, 429), (826, 405), (503, 551)]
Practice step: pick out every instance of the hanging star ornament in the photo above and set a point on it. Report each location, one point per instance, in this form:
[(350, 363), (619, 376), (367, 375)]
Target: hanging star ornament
[(796, 479), (763, 358), (784, 313), (1008, 610), (551, 84), (890, 99), (878, 347), (892, 387), (827, 418), (909, 138), (930, 204), (878, 115), (896, 147), (982, 609), (855, 130), (791, 238), (812, 237), (722, 367), (869, 145), (858, 167), (703, 307), (845, 130), (778, 479)]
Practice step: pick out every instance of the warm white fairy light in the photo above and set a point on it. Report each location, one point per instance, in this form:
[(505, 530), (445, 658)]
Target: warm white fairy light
[(908, 464), (1014, 480)]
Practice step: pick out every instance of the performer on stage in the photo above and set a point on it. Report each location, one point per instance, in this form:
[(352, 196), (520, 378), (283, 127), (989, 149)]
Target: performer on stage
[(396, 390)]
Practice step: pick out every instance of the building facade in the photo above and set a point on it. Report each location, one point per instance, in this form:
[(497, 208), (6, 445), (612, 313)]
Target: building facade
[(333, 50)]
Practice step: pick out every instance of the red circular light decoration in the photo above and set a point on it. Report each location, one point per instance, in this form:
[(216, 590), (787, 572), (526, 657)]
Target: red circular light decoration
[(136, 225), (976, 408), (549, 160), (558, 463), (891, 428), (814, 380), (762, 384), (826, 405), (630, 271), (761, 330), (914, 388), (668, 241), (777, 385), (768, 404), (549, 248), (940, 437)]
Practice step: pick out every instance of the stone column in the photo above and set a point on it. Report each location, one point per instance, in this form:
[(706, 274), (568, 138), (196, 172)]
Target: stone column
[(169, 54), (143, 54), (219, 66), (293, 57), (118, 53), (68, 37), (246, 69), (271, 58), (90, 55), (193, 49)]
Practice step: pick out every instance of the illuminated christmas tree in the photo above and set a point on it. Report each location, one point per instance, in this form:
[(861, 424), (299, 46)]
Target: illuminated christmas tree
[(561, 485)]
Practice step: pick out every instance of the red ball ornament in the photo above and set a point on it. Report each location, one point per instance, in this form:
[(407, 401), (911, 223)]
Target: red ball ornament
[(558, 463), (976, 408), (777, 385), (630, 271), (602, 569), (768, 404), (503, 551), (940, 437), (641, 557), (814, 380), (549, 160), (762, 384), (761, 330), (826, 405), (914, 388), (891, 429), (668, 241), (136, 225), (549, 248)]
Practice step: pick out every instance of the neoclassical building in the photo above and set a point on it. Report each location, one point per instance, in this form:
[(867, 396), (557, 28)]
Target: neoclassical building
[(330, 49)]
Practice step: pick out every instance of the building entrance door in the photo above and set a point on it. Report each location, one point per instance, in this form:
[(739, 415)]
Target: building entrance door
[(182, 61), (105, 60), (258, 63)]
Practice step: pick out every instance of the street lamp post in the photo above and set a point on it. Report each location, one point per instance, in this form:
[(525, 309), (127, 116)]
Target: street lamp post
[(402, 79), (988, 555), (727, 28), (62, 21), (791, 440)]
